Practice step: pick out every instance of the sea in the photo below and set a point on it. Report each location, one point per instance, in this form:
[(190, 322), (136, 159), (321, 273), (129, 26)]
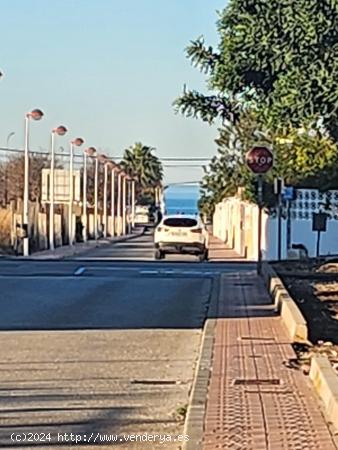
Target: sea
[(181, 199)]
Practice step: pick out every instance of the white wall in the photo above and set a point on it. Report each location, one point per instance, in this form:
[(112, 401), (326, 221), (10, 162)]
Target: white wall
[(227, 218)]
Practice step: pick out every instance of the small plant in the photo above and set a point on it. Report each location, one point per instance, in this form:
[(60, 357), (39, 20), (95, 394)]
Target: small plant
[(181, 412)]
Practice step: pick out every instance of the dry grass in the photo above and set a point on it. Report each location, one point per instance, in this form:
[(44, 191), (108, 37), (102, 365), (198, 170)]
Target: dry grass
[(5, 228)]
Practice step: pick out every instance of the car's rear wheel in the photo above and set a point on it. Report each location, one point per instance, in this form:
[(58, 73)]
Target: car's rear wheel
[(159, 254), (204, 256)]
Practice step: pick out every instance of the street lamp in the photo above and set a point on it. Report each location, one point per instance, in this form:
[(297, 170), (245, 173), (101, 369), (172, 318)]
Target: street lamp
[(133, 200), (6, 167), (114, 168), (35, 114), (119, 200), (90, 151), (124, 198), (61, 130), (104, 160), (8, 138), (129, 180), (75, 142)]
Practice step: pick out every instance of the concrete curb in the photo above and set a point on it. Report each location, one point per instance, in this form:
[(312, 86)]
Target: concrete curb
[(284, 303), (194, 422), (325, 383)]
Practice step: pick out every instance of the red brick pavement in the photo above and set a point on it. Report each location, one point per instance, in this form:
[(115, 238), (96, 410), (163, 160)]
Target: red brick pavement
[(251, 343), (218, 250)]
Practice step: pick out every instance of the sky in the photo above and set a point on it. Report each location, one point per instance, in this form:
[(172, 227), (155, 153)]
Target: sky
[(109, 71)]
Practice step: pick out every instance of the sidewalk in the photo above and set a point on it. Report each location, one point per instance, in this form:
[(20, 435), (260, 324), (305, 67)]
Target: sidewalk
[(67, 251), (254, 400), (219, 251)]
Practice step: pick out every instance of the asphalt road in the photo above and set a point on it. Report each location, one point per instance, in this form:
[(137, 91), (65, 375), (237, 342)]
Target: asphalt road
[(100, 345), (140, 249)]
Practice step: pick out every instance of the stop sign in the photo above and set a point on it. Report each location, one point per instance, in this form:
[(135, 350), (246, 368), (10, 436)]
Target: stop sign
[(259, 159)]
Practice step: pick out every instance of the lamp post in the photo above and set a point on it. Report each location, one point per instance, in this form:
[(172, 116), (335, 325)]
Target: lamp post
[(35, 114), (11, 134), (112, 166), (124, 201), (75, 142), (92, 152), (133, 202), (119, 202), (105, 188), (6, 167), (61, 130), (104, 160), (129, 202)]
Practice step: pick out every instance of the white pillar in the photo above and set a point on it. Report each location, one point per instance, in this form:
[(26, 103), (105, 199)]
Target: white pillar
[(51, 195), (119, 204), (26, 189), (84, 199), (96, 187), (113, 202), (124, 205), (71, 197), (129, 182), (105, 200), (133, 202)]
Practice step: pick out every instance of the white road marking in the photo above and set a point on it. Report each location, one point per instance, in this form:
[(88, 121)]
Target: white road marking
[(78, 272), (149, 272), (113, 269)]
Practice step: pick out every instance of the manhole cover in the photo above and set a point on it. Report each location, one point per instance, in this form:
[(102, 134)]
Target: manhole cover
[(256, 382)]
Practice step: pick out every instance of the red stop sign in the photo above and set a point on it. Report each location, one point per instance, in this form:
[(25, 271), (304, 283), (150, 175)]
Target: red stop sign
[(259, 159)]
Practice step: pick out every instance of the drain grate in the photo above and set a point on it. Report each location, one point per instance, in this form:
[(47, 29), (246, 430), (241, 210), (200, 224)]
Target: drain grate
[(257, 382), (256, 338), (161, 382)]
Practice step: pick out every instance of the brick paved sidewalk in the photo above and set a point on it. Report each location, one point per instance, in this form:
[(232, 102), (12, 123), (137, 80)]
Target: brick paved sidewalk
[(252, 344), (219, 251)]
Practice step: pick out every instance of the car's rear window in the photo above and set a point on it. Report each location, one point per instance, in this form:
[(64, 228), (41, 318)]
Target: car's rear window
[(183, 222)]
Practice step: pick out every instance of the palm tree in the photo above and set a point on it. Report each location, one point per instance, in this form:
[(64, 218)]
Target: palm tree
[(139, 161)]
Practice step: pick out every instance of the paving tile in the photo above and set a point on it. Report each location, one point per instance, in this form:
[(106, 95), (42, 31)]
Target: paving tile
[(252, 344)]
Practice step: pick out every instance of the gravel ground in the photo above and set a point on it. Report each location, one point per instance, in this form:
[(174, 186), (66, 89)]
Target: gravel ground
[(313, 286)]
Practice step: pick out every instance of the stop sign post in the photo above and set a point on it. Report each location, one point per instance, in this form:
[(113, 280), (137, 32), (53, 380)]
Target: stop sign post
[(260, 161)]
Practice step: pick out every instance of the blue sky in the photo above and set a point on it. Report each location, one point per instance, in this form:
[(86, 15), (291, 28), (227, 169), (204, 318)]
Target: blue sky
[(109, 70)]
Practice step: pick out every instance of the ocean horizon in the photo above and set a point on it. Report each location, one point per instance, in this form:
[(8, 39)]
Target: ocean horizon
[(182, 199)]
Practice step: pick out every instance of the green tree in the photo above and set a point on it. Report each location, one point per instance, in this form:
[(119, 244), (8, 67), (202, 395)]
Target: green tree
[(279, 57), (273, 80), (140, 161), (304, 157)]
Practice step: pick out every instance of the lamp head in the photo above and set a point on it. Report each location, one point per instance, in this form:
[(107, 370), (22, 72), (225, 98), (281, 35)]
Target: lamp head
[(35, 114), (78, 142), (91, 151), (61, 130)]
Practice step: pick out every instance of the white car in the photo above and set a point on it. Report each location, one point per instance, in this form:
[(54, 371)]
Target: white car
[(181, 234), (142, 214)]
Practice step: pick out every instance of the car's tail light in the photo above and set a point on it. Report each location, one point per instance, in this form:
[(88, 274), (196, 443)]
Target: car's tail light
[(196, 230)]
